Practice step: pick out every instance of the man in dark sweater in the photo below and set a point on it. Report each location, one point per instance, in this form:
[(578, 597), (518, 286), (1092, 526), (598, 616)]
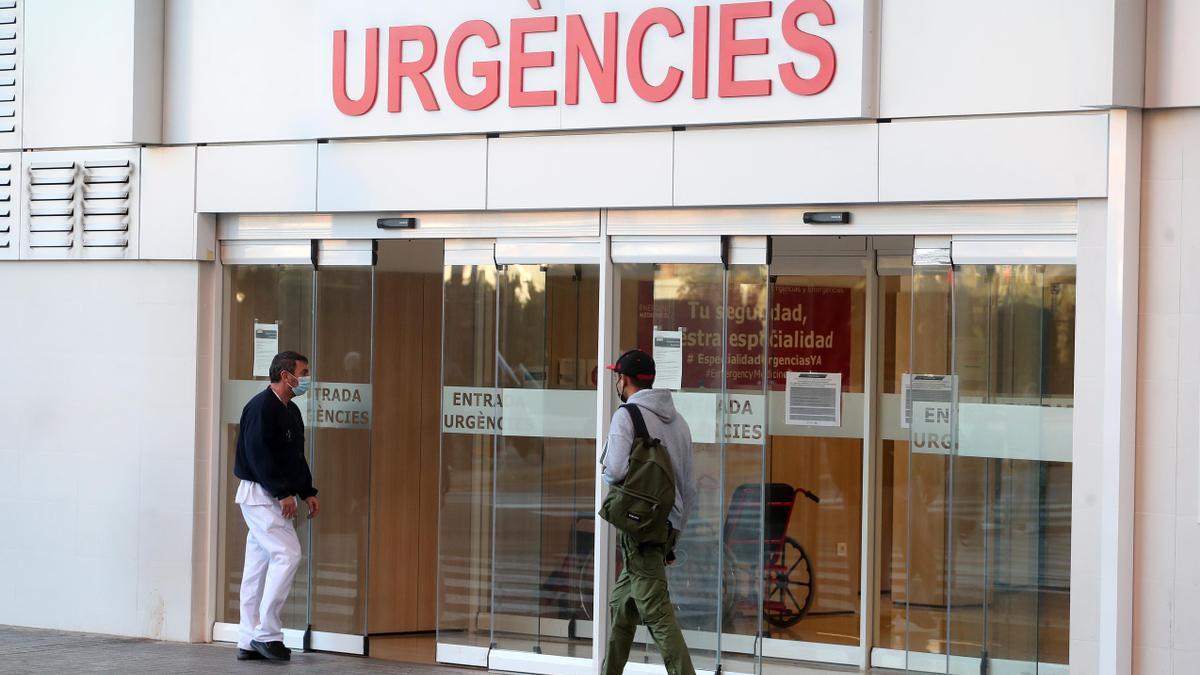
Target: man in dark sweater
[(274, 477)]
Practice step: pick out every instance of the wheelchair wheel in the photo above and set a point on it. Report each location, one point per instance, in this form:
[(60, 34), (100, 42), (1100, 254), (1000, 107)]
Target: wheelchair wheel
[(583, 585), (789, 586)]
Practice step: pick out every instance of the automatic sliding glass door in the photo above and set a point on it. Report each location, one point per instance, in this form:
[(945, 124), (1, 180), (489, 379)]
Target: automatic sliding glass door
[(706, 323), (988, 399), (277, 302), (544, 505), (517, 479), (268, 308)]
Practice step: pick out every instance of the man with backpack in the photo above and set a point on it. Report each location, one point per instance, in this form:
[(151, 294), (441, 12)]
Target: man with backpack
[(649, 453)]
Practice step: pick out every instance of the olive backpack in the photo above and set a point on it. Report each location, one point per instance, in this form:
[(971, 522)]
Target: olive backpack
[(640, 504)]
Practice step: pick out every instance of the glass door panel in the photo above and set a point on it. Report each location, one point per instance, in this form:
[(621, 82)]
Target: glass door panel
[(1013, 357), (817, 377), (544, 481), (894, 333), (341, 452), (986, 486), (690, 298), (470, 424), (926, 391), (267, 306), (743, 424)]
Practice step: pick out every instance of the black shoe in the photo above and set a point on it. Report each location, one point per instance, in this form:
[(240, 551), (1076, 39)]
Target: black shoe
[(274, 651), (249, 655)]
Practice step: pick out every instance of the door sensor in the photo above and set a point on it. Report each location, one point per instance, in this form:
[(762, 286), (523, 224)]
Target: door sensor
[(396, 223), (827, 218)]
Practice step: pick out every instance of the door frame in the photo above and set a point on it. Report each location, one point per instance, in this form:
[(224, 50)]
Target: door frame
[(1023, 221)]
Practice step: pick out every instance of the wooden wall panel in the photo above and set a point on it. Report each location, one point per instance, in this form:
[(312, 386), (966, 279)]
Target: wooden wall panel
[(404, 452), (431, 387)]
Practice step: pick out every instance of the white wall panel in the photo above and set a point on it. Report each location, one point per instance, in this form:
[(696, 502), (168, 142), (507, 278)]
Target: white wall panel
[(81, 65), (426, 175), (101, 519), (580, 170), (1047, 157), (812, 164), (958, 58), (170, 227), (256, 178), (267, 85), (1172, 52)]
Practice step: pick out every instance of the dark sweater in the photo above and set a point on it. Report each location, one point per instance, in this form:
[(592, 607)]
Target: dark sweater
[(270, 447)]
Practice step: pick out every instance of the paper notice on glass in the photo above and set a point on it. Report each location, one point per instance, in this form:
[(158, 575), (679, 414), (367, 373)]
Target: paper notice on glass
[(924, 389), (814, 399), (266, 346), (668, 359)]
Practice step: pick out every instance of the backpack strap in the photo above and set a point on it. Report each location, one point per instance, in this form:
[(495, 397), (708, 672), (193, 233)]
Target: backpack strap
[(639, 423)]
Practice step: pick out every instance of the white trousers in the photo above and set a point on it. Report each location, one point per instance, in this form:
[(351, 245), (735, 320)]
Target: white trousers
[(272, 556)]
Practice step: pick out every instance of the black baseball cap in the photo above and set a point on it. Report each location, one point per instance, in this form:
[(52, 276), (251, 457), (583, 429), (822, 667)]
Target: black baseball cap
[(635, 363)]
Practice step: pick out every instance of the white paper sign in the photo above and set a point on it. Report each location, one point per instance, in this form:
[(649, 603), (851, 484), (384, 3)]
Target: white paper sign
[(932, 388), (266, 346), (814, 399), (668, 359)]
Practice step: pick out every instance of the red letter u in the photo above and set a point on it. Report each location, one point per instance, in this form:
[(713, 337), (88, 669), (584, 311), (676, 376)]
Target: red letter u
[(364, 104)]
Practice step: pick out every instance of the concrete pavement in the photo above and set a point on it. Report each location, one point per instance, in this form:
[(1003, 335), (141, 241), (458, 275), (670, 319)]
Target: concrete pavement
[(28, 650)]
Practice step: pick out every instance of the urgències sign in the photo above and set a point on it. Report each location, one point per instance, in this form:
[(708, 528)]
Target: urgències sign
[(497, 65)]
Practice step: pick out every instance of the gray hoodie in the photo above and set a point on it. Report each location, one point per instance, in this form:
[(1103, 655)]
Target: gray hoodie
[(665, 424)]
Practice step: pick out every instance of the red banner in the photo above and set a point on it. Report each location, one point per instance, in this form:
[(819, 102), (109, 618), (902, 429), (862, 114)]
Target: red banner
[(810, 331)]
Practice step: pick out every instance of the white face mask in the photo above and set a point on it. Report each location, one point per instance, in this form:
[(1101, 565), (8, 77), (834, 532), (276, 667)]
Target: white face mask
[(620, 391), (302, 384)]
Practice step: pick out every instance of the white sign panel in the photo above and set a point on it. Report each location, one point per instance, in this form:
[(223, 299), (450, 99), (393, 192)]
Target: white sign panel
[(737, 418), (745, 418), (339, 405), (370, 68), (668, 359), (814, 399), (472, 410), (533, 413), (934, 388), (342, 405), (927, 410), (266, 346), (549, 413)]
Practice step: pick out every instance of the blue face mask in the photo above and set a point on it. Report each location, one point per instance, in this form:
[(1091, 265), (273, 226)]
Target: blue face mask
[(301, 385)]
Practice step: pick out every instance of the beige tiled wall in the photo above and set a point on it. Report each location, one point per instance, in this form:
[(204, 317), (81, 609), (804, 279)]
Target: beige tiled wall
[(1167, 533)]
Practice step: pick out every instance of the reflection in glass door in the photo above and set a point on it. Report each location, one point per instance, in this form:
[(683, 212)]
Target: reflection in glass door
[(986, 491)]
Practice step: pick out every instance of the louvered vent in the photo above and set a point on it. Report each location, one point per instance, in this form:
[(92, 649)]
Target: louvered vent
[(52, 209), (105, 192), (9, 72), (8, 230)]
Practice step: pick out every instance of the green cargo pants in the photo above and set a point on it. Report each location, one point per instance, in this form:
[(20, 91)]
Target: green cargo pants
[(641, 596)]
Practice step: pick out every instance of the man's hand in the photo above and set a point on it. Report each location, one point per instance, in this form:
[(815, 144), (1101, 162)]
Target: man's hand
[(288, 504), (314, 507)]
